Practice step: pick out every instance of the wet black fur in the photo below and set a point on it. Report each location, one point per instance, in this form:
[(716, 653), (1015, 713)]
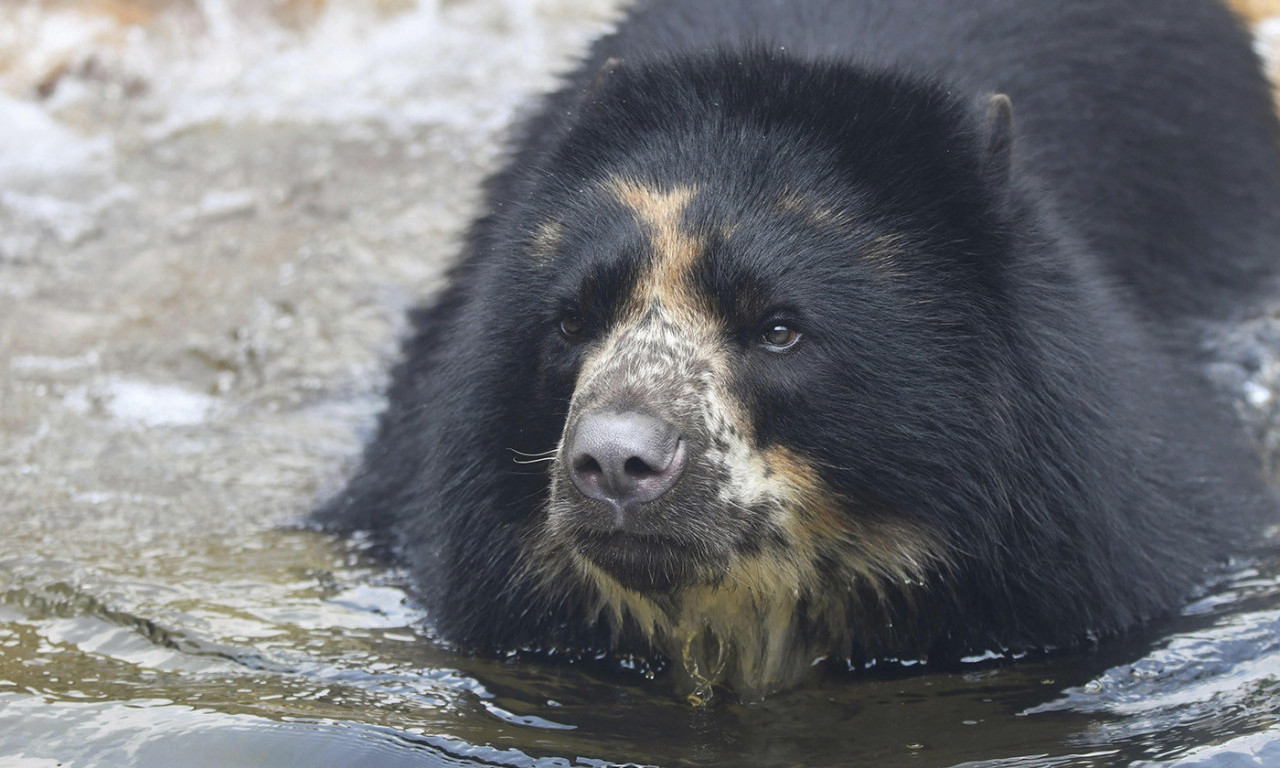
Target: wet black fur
[(1024, 378)]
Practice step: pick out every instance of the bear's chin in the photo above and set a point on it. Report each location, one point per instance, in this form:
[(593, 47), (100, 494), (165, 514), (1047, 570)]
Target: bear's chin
[(648, 564)]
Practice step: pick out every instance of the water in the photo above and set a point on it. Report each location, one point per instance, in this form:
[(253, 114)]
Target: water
[(212, 216)]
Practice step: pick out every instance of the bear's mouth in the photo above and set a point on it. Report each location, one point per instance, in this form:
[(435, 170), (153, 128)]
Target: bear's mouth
[(644, 563)]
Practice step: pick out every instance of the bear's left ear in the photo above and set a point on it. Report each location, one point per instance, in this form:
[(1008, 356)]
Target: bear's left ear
[(997, 128)]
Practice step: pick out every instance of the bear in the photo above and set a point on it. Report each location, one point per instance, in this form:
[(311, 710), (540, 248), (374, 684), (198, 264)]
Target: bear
[(845, 330)]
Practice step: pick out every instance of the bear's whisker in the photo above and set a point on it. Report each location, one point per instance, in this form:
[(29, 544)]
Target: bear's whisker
[(534, 461)]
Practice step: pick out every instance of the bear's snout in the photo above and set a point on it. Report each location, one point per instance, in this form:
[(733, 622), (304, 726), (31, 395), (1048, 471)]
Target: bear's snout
[(625, 458)]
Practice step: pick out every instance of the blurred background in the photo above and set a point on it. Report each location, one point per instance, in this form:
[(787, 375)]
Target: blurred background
[(213, 214)]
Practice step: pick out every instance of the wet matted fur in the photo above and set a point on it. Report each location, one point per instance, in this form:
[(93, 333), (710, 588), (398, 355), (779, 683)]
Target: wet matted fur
[(912, 289)]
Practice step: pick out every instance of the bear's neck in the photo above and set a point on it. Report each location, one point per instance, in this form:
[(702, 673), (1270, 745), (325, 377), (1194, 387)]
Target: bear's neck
[(725, 634)]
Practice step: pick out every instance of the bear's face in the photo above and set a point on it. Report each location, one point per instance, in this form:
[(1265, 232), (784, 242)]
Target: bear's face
[(672, 470), (703, 348), (753, 356)]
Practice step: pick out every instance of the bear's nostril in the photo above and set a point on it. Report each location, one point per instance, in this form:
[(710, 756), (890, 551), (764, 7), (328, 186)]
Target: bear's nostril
[(586, 465), (636, 467)]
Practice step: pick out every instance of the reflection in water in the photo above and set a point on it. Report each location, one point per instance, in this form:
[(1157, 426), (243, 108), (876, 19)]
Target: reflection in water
[(212, 216), (304, 650)]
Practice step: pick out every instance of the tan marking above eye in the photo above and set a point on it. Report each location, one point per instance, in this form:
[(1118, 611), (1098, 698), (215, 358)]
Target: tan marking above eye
[(661, 210), (811, 209), (546, 240), (675, 249), (880, 252)]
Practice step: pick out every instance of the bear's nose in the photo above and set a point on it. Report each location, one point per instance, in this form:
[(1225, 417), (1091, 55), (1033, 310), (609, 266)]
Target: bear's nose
[(626, 458)]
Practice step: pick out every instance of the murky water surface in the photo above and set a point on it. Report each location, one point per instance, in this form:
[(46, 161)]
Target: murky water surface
[(212, 216)]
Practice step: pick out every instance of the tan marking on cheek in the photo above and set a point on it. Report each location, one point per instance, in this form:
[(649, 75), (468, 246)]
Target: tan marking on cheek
[(872, 546), (546, 241)]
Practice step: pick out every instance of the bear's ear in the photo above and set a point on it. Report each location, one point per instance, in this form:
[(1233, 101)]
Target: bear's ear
[(601, 76), (997, 127)]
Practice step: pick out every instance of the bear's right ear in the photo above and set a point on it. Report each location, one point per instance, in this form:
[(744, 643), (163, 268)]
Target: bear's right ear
[(601, 76), (997, 128)]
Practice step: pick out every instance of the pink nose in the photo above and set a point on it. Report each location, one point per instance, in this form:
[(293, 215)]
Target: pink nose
[(626, 459)]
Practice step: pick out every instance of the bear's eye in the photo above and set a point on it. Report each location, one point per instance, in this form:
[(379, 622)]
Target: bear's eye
[(572, 327), (779, 337)]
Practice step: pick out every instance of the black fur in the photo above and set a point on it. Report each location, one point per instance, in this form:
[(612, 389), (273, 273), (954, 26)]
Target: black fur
[(1023, 376)]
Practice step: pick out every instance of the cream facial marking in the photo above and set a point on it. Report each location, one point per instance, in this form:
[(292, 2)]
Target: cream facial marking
[(745, 627)]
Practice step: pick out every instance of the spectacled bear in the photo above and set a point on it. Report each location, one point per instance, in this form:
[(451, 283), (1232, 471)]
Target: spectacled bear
[(846, 329)]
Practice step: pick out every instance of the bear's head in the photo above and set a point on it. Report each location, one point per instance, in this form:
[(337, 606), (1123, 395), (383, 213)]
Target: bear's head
[(765, 297)]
